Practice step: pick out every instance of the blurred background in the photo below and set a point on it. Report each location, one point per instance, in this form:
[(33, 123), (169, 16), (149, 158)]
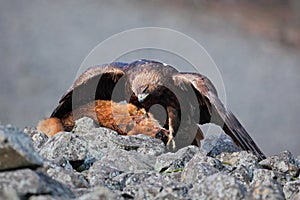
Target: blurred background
[(255, 44)]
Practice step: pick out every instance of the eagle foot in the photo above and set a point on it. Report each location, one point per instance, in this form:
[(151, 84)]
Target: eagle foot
[(171, 140)]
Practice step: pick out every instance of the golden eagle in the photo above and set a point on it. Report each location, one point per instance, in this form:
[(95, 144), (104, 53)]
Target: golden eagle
[(187, 99)]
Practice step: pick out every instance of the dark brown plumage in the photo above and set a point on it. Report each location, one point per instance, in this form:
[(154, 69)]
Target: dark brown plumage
[(188, 99)]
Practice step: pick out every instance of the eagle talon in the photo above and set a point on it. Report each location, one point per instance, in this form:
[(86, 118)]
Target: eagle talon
[(171, 140)]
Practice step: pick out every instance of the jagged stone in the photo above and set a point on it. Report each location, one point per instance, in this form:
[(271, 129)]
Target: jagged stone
[(16, 150)]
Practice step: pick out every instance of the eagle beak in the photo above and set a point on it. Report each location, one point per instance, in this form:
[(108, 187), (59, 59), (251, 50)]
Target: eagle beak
[(142, 97)]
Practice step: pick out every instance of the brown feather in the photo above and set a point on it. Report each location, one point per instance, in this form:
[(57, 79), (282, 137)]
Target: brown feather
[(218, 113)]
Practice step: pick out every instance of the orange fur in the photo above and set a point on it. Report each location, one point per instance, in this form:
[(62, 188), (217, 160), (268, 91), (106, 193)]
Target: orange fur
[(126, 119), (50, 126)]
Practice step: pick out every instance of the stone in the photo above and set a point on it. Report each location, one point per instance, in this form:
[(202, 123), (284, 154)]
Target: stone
[(84, 125), (172, 162), (16, 150), (291, 189), (236, 159), (216, 144), (99, 193), (68, 177), (102, 175), (265, 192), (38, 138), (283, 162), (217, 186), (129, 160), (27, 182), (268, 176)]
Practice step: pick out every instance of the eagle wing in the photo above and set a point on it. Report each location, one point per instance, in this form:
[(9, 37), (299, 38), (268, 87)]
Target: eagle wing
[(98, 82), (218, 114)]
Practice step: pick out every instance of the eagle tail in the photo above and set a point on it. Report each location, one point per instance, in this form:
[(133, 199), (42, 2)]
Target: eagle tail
[(236, 131)]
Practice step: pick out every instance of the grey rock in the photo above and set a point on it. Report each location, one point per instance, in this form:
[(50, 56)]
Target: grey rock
[(99, 193), (195, 172), (158, 187), (242, 173), (170, 162), (202, 157), (127, 179), (266, 185), (140, 143), (16, 150), (216, 144), (68, 177), (84, 125), (46, 197), (101, 175), (199, 167), (9, 193), (296, 196), (27, 182), (65, 144), (283, 162), (242, 158), (127, 160), (86, 147), (38, 138), (265, 192), (101, 137), (96, 163), (268, 176), (291, 189), (217, 186)]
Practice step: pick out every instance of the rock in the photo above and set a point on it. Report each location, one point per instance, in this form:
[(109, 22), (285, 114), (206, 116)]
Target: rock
[(67, 145), (16, 150), (266, 185), (243, 174), (141, 143), (296, 196), (291, 189), (99, 193), (199, 167), (267, 176), (46, 197), (38, 138), (128, 179), (128, 160), (102, 175), (172, 162), (242, 158), (68, 177), (196, 172), (96, 163), (83, 148), (84, 125), (157, 187), (217, 186), (265, 192), (9, 193), (27, 182), (284, 162), (217, 144)]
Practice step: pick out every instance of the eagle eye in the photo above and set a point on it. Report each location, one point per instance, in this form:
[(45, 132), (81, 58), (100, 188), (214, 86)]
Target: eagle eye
[(145, 89)]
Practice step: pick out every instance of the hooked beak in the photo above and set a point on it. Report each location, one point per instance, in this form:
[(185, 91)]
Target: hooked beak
[(142, 97)]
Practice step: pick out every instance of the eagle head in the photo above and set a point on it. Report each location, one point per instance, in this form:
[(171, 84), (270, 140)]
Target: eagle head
[(144, 91)]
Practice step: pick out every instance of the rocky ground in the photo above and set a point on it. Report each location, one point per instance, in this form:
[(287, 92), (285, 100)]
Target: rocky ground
[(96, 163)]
